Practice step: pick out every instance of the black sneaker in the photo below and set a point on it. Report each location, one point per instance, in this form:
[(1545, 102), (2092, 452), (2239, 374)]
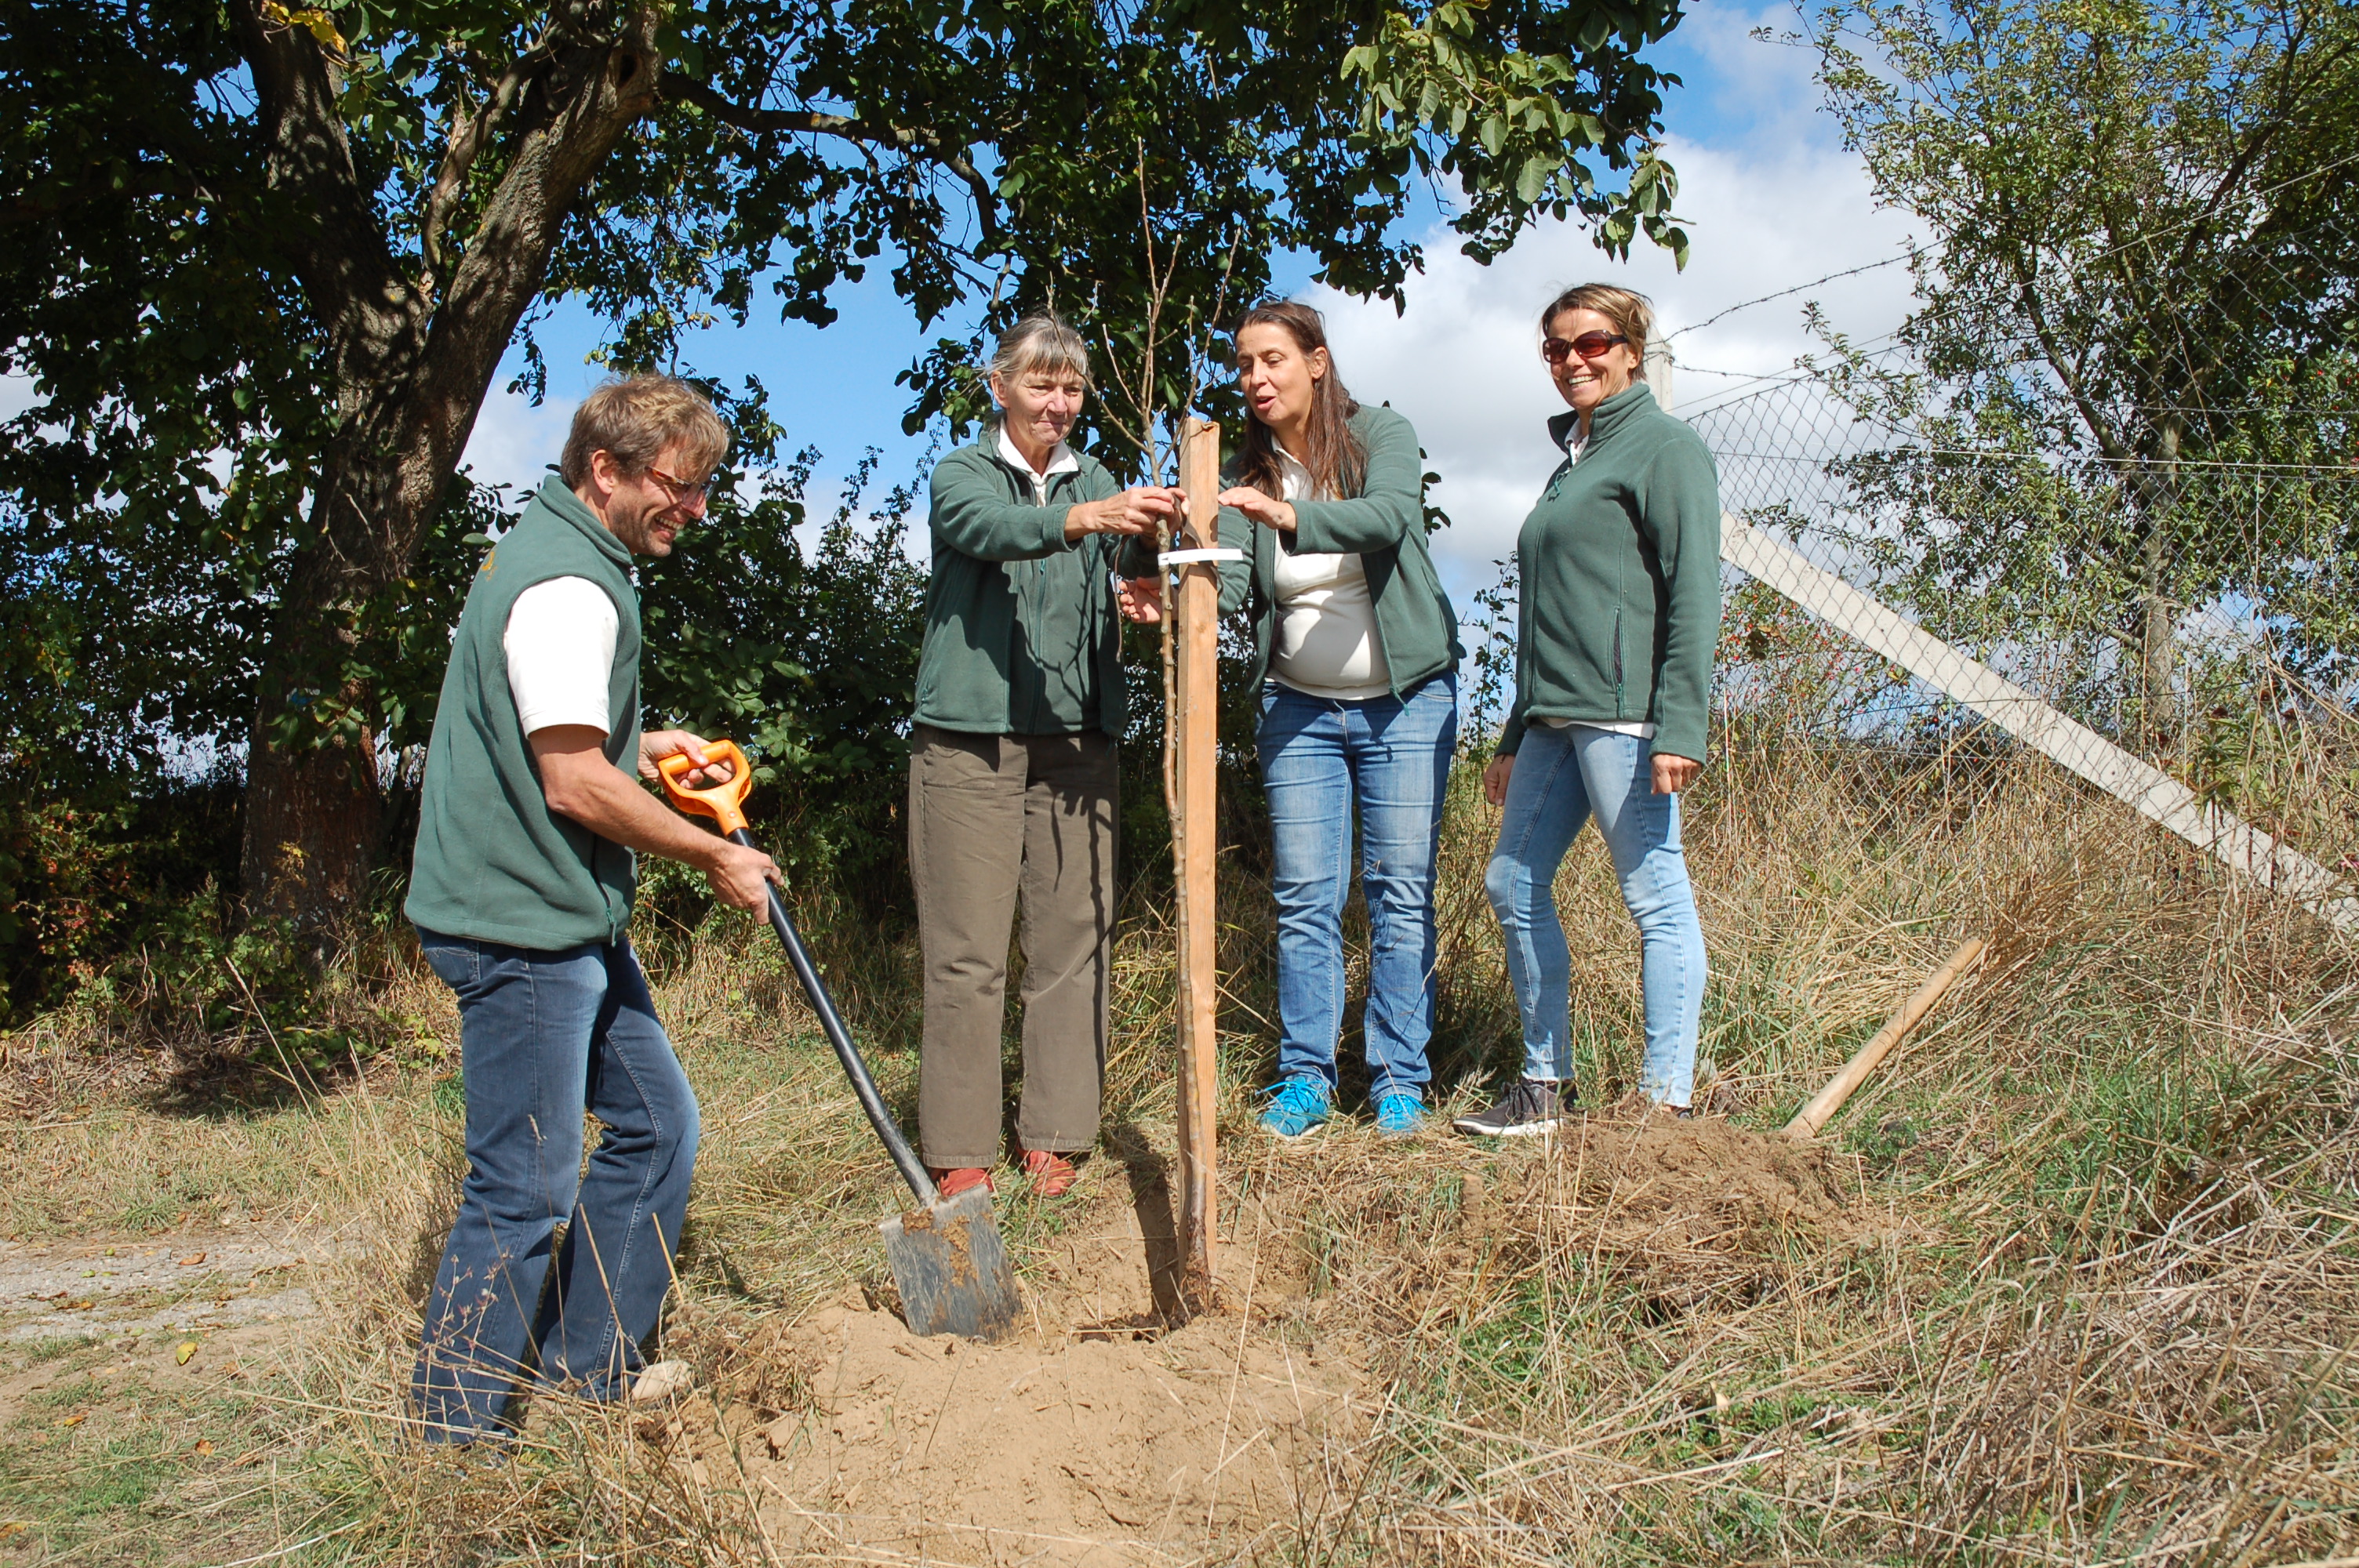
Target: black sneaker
[(1529, 1106)]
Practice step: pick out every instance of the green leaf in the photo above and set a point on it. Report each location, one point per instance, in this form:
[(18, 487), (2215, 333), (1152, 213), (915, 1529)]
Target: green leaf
[(1533, 178)]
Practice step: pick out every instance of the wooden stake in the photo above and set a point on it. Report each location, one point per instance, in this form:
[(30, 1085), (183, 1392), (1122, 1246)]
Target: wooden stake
[(1828, 1100), (1195, 739)]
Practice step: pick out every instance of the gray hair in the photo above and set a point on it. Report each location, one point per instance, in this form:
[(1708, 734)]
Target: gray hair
[(1041, 342)]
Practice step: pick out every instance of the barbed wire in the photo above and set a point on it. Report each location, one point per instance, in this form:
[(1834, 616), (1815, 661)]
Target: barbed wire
[(1920, 320), (1788, 293)]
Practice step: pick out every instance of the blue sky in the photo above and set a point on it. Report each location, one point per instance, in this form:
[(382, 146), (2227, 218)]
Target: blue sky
[(1773, 200)]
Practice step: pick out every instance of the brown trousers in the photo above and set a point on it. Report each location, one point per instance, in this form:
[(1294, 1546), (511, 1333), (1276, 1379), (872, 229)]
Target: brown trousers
[(991, 816)]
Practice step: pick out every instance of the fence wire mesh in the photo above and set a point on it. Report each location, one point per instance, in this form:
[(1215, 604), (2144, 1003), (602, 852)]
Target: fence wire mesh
[(2131, 487)]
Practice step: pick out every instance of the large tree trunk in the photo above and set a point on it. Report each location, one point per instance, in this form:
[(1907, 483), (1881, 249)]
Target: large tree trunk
[(412, 370)]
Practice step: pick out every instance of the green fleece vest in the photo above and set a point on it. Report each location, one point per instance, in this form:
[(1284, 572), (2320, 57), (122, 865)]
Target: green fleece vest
[(492, 861)]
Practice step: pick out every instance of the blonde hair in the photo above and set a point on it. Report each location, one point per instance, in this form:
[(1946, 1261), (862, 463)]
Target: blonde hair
[(633, 419), (1040, 344), (1632, 315)]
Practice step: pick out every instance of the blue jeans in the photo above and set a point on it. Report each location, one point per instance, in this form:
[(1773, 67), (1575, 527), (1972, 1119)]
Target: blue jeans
[(1562, 778), (544, 1036), (1318, 756)]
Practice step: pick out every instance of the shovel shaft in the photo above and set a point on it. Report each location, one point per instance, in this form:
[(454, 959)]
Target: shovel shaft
[(913, 1170)]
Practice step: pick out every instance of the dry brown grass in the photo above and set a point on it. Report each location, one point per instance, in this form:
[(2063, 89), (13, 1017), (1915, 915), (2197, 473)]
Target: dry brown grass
[(2072, 1281)]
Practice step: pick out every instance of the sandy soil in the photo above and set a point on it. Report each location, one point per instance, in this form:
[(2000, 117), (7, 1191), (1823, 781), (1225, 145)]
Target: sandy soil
[(1098, 1435), (1069, 1450)]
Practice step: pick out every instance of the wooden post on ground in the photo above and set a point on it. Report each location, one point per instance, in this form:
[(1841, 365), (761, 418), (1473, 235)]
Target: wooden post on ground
[(1828, 1100), (1195, 736)]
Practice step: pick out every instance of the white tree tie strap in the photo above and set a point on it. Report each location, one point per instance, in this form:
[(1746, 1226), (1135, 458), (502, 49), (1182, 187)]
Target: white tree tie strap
[(2154, 794)]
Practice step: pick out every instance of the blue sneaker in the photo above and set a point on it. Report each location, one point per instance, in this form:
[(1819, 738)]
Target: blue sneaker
[(1298, 1108), (1399, 1114)]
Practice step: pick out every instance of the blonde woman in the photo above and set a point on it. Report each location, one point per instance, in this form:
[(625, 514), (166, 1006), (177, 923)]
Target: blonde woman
[(1012, 764), (1617, 621)]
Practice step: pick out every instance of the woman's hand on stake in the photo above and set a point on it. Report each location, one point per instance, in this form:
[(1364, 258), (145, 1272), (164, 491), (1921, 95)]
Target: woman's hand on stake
[(1141, 598), (1673, 775), (1269, 514), (1496, 774), (1135, 511)]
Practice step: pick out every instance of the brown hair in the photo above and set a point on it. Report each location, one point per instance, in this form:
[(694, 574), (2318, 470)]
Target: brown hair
[(635, 418), (1631, 315), (1338, 463)]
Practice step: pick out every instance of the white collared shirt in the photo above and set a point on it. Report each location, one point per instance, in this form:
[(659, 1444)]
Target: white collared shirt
[(1062, 459)]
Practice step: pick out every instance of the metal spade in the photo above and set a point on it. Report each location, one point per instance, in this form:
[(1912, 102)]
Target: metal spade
[(946, 1254)]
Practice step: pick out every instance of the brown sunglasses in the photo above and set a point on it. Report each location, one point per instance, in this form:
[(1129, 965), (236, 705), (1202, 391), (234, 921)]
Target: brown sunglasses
[(1589, 346)]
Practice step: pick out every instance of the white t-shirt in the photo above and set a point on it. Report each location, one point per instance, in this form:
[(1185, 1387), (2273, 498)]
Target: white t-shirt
[(1327, 643), (1574, 447), (561, 647)]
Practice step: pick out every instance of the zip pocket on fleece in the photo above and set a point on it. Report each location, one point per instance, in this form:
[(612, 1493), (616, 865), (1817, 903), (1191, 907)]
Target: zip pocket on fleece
[(1617, 662)]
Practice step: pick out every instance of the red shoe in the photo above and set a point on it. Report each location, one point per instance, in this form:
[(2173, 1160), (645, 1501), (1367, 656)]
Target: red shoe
[(1052, 1174), (950, 1184)]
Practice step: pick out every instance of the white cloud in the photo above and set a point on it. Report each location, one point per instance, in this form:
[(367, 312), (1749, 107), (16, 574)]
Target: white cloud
[(1776, 207), (514, 442)]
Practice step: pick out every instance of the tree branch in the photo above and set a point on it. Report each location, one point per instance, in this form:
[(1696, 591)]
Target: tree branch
[(340, 253), (468, 138), (916, 141)]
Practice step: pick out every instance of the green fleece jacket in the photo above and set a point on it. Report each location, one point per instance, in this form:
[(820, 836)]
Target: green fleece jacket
[(1619, 613), (1384, 524), (1022, 635)]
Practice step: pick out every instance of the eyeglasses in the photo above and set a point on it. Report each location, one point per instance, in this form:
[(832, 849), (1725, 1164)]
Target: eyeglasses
[(1589, 346), (682, 493)]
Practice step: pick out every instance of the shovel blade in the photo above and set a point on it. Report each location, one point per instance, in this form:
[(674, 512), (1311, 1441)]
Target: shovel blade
[(951, 1268)]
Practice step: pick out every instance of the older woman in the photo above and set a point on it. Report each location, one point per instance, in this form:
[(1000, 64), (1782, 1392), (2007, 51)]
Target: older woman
[(1012, 765), (1616, 625), (1359, 648)]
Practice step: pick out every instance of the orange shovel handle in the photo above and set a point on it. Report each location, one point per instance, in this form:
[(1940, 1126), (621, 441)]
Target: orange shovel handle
[(725, 803)]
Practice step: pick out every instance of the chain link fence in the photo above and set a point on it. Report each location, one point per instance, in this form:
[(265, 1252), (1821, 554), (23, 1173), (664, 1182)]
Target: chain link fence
[(2135, 493)]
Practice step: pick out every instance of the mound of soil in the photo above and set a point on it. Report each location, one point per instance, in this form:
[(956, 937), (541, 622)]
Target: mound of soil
[(1695, 1178), (1097, 1445), (1695, 1207)]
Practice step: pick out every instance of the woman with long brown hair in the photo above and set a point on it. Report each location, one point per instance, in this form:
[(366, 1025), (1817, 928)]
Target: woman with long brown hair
[(1357, 654)]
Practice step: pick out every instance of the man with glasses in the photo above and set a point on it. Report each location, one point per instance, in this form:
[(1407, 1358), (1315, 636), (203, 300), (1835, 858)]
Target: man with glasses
[(521, 892)]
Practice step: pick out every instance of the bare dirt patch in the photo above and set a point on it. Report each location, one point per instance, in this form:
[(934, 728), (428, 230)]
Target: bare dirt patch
[(186, 1281), (1103, 1430), (1111, 1430), (1696, 1177), (1049, 1448)]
